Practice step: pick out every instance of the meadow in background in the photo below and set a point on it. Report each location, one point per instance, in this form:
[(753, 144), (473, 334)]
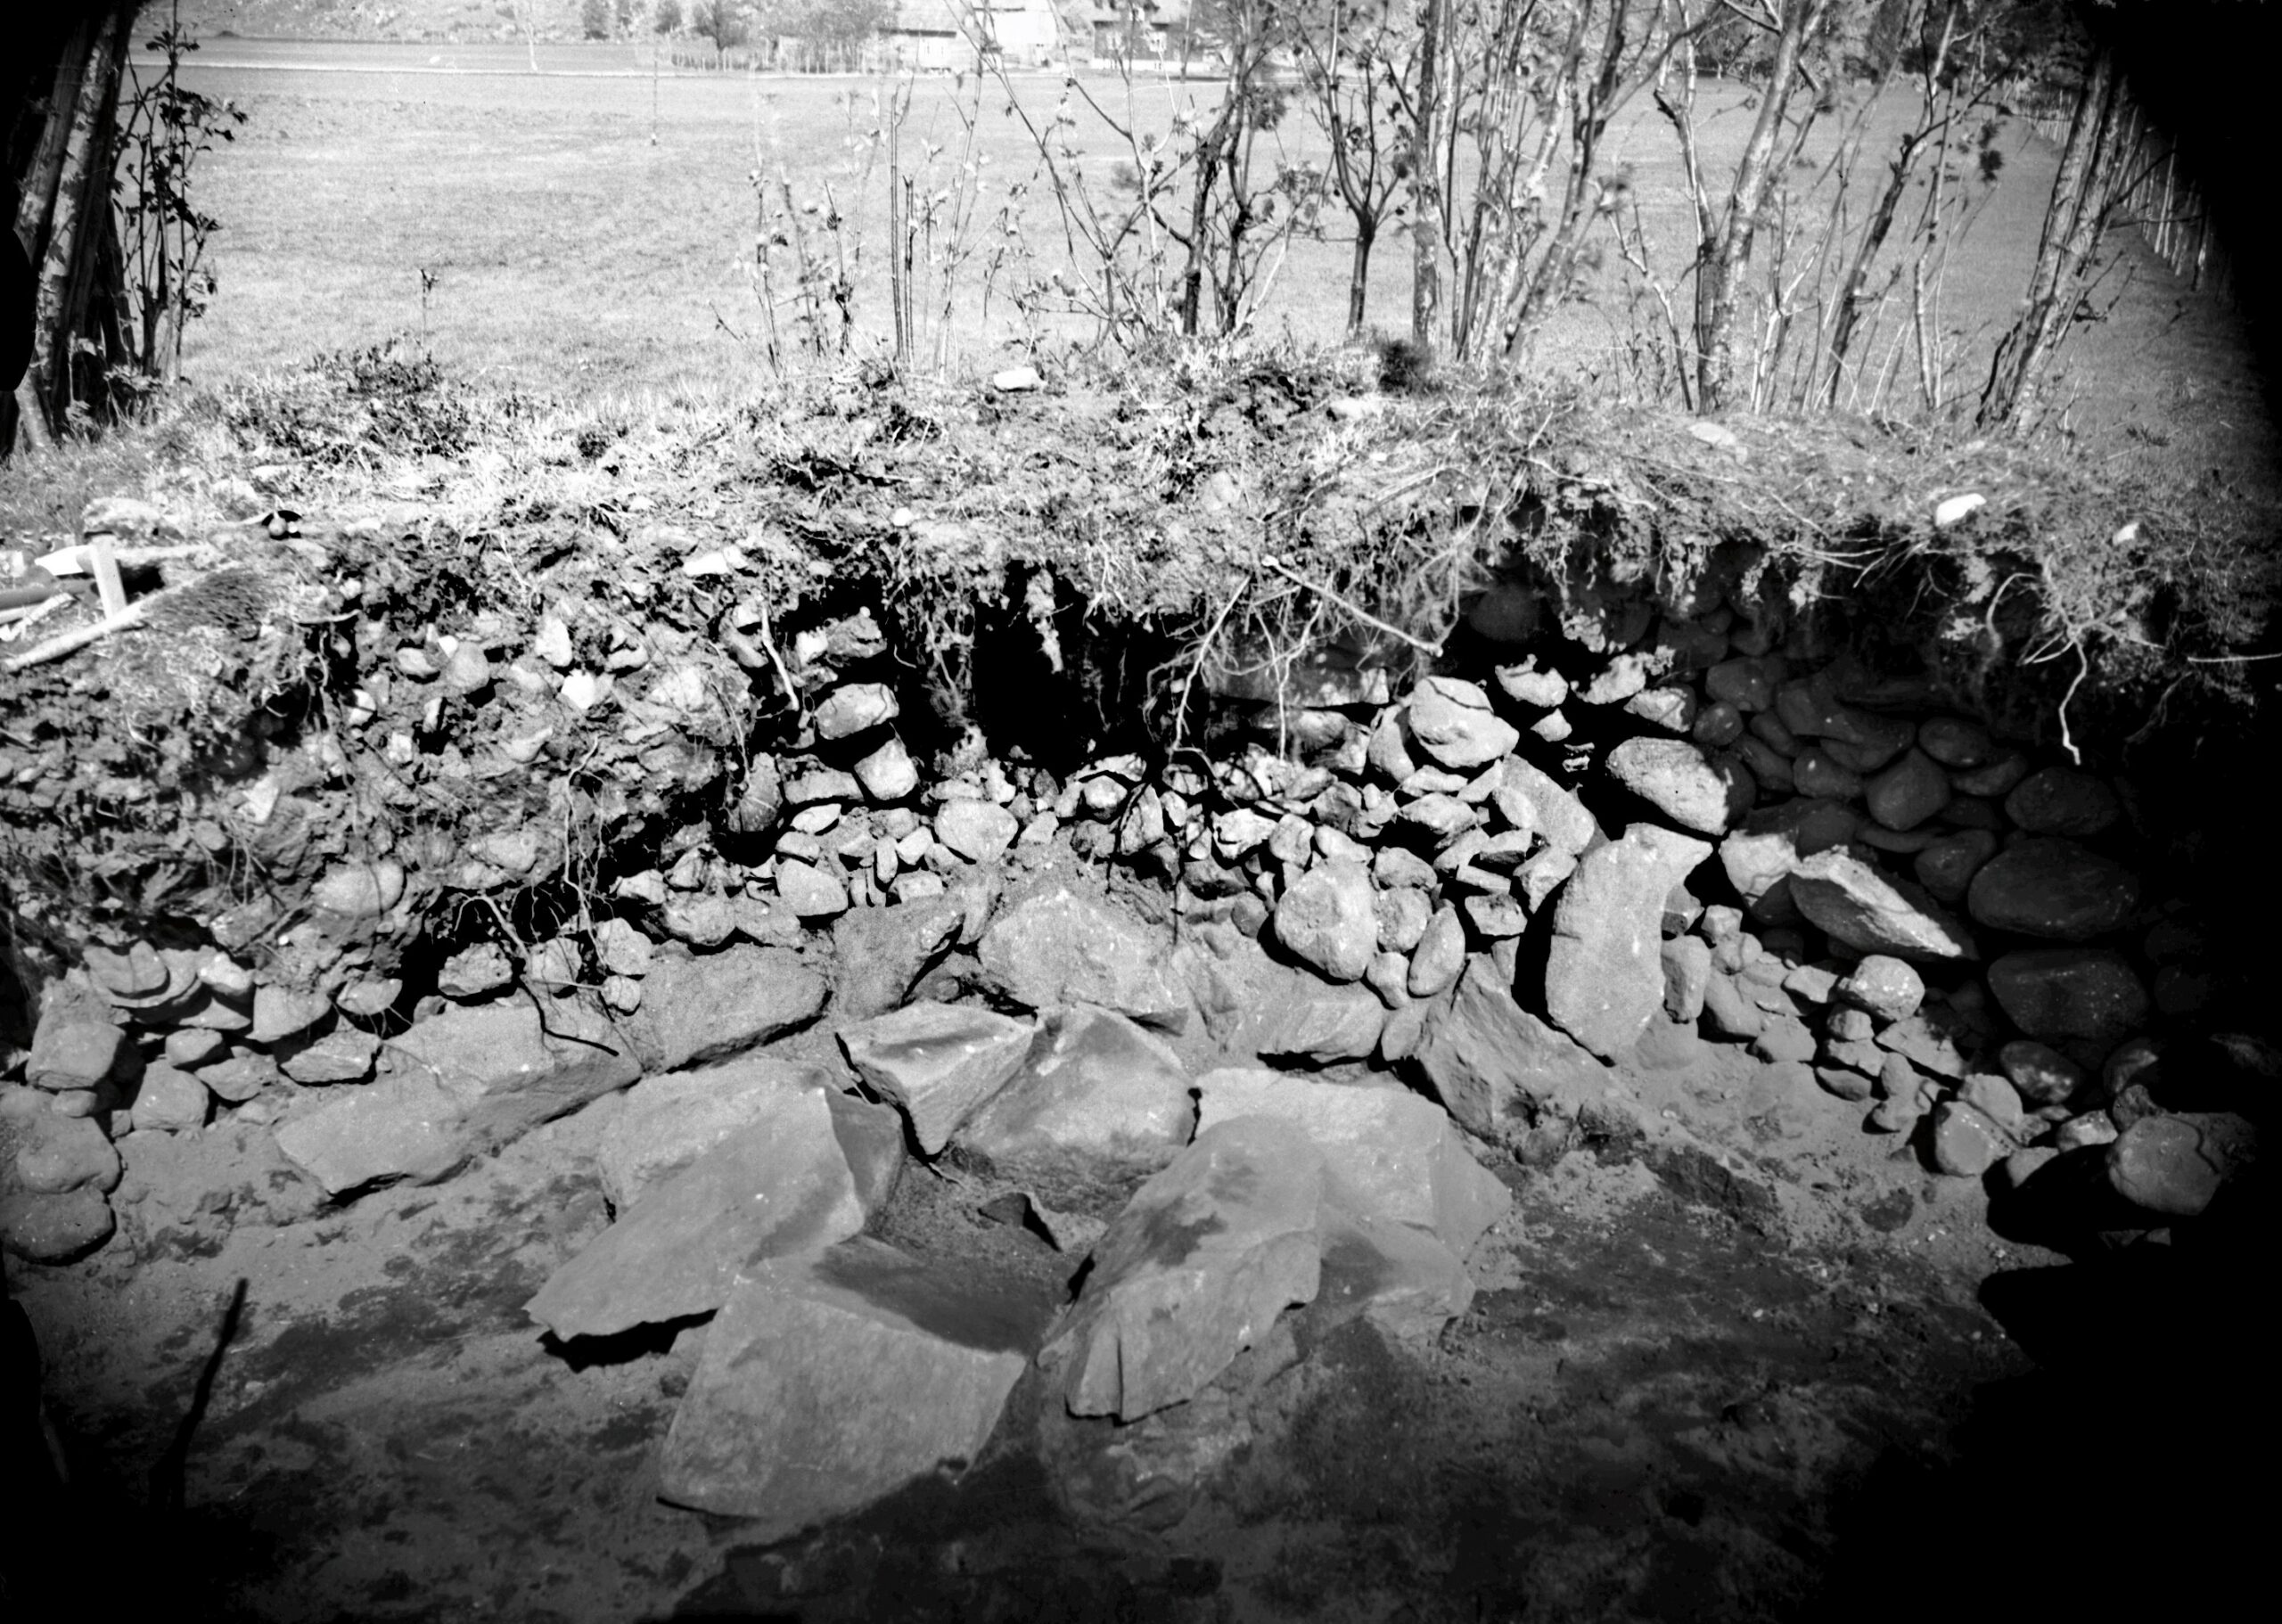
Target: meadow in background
[(566, 251)]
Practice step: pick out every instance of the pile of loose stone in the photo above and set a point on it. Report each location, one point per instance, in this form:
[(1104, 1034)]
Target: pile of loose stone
[(1198, 1075)]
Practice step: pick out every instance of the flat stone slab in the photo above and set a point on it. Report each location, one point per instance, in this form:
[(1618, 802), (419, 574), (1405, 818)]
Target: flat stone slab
[(695, 1009), (1858, 903), (668, 1122), (510, 1068), (1604, 972), (408, 1125), (1056, 947), (1492, 1062), (1097, 1104), (834, 1377), (1401, 1278), (342, 1056), (778, 1185), (1388, 1152), (1194, 1271), (938, 1062), (1312, 1022)]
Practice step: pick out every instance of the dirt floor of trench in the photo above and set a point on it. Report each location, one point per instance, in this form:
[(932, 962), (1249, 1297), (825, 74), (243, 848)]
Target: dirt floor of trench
[(1788, 1377)]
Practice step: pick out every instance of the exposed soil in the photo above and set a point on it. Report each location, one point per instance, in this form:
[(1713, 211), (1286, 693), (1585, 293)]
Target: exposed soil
[(1733, 1358), (1771, 1386)]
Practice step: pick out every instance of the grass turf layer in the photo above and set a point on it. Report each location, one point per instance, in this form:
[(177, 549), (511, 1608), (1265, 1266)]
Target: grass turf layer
[(1151, 535)]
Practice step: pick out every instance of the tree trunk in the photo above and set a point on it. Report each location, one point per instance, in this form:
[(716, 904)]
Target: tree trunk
[(1200, 207), (1359, 278), (1425, 183), (1718, 305), (37, 199), (1855, 287), (68, 259), (2072, 220)]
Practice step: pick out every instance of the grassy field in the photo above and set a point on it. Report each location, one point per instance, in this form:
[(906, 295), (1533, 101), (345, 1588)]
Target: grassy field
[(589, 229)]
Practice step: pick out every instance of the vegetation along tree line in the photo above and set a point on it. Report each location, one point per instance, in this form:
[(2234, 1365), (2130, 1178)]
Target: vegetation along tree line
[(1479, 131), (1474, 132)]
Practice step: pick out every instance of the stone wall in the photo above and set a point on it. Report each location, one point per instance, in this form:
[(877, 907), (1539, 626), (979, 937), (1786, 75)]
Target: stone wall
[(1638, 839)]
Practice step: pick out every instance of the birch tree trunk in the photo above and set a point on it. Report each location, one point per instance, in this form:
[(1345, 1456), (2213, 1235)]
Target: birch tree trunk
[(65, 219), (2073, 222), (1719, 301), (1425, 183)]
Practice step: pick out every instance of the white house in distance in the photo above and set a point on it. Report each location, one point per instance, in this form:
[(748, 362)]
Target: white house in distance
[(940, 34), (1143, 30)]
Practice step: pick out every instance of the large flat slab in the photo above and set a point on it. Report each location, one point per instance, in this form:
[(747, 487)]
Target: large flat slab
[(938, 1062), (1389, 1152), (1098, 1105), (778, 1185), (836, 1376), (1195, 1270)]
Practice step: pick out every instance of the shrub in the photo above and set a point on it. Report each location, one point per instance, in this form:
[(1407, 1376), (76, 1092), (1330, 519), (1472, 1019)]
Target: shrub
[(352, 403)]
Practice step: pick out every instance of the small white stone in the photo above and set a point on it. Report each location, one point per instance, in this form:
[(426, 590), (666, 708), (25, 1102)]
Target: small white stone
[(582, 691), (1955, 509)]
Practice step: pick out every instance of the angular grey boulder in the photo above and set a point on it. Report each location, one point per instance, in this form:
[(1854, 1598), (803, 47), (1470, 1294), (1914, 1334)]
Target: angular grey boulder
[(511, 1071), (1760, 856), (1194, 1271), (1386, 1151), (938, 1062), (1858, 903), (1399, 1278), (697, 1009), (668, 1122), (1097, 1105), (1604, 975), (1553, 812), (835, 1376), (1682, 782), (882, 953), (1315, 1024), (1056, 947), (466, 1081), (1494, 1065), (402, 1125), (1452, 721), (779, 1185)]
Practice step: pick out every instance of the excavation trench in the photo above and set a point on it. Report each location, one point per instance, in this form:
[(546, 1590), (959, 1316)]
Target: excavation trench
[(1679, 1095)]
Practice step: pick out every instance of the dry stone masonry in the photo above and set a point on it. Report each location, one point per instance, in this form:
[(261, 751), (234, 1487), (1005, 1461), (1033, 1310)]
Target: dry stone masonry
[(1247, 1028)]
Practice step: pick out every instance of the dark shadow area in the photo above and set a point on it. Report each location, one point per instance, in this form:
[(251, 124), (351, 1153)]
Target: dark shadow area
[(2120, 1474), (71, 1498), (167, 1487), (640, 1342), (2203, 71)]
